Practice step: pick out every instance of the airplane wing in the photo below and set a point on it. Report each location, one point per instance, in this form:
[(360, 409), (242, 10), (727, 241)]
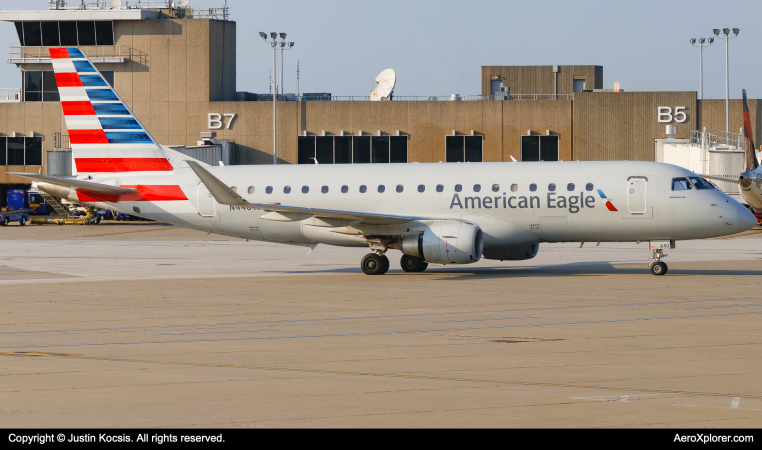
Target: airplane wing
[(76, 184), (226, 196), (718, 178)]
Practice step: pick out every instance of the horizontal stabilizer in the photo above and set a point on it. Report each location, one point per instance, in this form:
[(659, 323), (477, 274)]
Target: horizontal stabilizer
[(77, 184), (719, 178), (226, 196)]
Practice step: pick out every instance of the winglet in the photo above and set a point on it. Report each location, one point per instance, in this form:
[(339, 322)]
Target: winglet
[(223, 194)]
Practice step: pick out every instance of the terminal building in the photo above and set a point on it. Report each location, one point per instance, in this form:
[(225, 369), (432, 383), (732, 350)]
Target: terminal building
[(176, 69)]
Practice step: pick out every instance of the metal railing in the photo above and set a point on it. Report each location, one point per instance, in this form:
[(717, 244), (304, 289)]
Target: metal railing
[(714, 138), (443, 98), (61, 141), (98, 53), (205, 13), (190, 13), (10, 95)]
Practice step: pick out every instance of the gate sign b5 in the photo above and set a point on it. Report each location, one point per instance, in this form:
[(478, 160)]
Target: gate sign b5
[(666, 115)]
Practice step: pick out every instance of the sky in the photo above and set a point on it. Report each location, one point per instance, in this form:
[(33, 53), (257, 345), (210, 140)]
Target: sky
[(438, 47)]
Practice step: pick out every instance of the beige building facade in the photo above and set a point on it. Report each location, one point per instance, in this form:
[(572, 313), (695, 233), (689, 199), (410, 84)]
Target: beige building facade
[(178, 75)]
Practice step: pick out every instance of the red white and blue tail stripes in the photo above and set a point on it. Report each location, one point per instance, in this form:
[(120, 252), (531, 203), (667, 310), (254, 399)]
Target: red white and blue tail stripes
[(105, 135)]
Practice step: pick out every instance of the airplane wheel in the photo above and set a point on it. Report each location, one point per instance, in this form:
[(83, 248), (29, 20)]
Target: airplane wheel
[(373, 264), (659, 268), (385, 265), (413, 264)]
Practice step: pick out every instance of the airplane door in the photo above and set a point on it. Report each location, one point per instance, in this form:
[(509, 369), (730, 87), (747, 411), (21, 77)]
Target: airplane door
[(636, 195), (205, 203)]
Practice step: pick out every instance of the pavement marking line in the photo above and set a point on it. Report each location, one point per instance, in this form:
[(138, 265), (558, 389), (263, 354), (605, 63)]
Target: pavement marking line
[(735, 402), (378, 333), (381, 375), (125, 232), (390, 316)]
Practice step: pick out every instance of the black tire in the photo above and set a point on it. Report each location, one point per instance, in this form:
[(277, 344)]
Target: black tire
[(6, 221), (97, 219), (408, 263), (385, 267), (22, 222), (659, 268), (372, 264)]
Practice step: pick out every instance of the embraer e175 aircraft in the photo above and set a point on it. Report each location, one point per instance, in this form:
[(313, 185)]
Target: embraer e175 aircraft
[(432, 213)]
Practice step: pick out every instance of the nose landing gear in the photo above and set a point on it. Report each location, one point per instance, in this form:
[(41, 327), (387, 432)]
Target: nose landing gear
[(657, 266)]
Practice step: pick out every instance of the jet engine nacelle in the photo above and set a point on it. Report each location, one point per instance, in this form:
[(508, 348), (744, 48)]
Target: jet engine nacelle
[(513, 253), (446, 244)]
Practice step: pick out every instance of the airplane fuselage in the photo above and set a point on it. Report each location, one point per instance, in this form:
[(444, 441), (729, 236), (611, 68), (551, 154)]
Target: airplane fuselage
[(513, 203)]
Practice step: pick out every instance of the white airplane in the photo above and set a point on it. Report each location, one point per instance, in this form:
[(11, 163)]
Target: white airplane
[(750, 180), (432, 213)]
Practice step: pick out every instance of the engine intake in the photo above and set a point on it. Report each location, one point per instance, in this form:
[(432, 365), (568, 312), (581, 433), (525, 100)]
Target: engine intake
[(446, 244)]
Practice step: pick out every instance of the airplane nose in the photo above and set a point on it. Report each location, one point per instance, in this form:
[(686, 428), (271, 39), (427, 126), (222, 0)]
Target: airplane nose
[(745, 219)]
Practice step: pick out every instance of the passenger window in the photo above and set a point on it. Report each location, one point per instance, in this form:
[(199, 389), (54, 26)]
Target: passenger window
[(477, 187), (552, 187), (400, 188), (532, 187), (269, 189), (381, 188), (344, 189), (235, 189), (324, 189), (440, 188), (287, 190), (495, 187), (700, 183), (251, 190), (680, 184), (458, 188), (363, 189), (589, 187), (570, 187), (421, 188), (514, 187), (305, 189)]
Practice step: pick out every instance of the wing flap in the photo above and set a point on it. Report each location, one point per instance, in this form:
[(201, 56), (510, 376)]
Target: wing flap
[(77, 184), (226, 196)]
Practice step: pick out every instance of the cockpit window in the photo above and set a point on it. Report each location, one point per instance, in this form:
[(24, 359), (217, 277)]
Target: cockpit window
[(700, 183), (680, 184)]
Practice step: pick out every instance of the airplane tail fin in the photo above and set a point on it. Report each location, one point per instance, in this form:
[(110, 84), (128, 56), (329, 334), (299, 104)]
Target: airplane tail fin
[(751, 158), (105, 135)]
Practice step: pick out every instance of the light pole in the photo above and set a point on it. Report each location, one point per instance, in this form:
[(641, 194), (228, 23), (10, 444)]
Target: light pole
[(701, 42), (283, 45), (727, 38), (274, 44)]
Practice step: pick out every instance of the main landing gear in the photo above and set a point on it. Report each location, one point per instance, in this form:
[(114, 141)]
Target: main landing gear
[(375, 264), (413, 264), (657, 267), (378, 264)]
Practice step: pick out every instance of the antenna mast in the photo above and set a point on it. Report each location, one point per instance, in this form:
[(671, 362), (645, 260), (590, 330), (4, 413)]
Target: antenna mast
[(297, 78)]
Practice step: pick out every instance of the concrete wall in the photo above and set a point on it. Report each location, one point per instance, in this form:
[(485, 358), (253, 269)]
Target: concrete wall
[(623, 125), (539, 79), (426, 123), (712, 116)]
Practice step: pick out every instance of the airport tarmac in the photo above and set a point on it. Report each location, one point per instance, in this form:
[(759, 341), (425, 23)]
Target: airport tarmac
[(149, 325)]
